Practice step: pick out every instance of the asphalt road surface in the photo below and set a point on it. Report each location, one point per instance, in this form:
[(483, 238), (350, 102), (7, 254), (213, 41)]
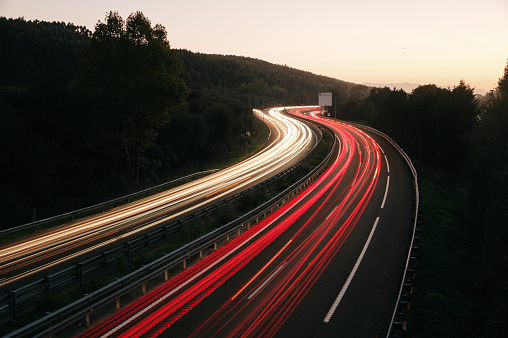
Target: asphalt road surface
[(49, 251), (327, 264)]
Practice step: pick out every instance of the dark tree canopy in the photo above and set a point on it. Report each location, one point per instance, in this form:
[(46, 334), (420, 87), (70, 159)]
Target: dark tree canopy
[(430, 123), (264, 82), (488, 171), (129, 78), (39, 51), (62, 154)]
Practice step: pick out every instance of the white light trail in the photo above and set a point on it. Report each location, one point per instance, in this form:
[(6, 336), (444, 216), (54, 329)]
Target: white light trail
[(294, 139)]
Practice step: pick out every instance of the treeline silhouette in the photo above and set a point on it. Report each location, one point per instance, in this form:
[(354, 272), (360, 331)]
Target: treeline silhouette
[(465, 140), (54, 157), (487, 170), (39, 51), (57, 155), (264, 83), (429, 124)]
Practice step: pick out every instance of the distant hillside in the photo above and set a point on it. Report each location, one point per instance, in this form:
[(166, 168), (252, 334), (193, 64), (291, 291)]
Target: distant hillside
[(409, 87), (276, 84), (39, 51), (56, 151)]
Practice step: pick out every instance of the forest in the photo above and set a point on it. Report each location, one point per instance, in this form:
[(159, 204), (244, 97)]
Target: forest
[(61, 152), (460, 146), (67, 142)]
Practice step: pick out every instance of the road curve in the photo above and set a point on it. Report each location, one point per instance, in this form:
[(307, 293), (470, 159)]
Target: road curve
[(37, 255), (326, 264)]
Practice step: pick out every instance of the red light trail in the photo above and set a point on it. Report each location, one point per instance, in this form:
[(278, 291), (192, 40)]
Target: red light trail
[(329, 209), (35, 255)]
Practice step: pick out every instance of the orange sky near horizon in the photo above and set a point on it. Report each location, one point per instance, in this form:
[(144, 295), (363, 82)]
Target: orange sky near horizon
[(391, 41)]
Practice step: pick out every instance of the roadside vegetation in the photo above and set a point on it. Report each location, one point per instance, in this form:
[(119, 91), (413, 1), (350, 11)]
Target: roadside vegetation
[(66, 145), (50, 302), (446, 288), (459, 141)]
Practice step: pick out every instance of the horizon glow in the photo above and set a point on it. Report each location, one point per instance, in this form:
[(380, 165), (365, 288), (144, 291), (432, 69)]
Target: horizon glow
[(394, 41)]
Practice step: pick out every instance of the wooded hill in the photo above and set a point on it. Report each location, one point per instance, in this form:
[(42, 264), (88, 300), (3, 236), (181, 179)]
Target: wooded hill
[(56, 157), (266, 82), (39, 51)]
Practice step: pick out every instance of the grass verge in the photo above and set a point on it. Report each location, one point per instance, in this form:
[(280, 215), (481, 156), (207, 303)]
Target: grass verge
[(443, 303)]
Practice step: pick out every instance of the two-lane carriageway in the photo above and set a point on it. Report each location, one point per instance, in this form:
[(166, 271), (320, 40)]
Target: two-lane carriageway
[(328, 263), (39, 255)]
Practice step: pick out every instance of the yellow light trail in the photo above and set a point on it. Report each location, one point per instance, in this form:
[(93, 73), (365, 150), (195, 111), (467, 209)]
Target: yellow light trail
[(262, 269), (229, 186), (293, 138)]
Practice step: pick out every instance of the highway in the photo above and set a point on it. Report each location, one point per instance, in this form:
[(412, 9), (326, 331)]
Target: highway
[(329, 263), (38, 255)]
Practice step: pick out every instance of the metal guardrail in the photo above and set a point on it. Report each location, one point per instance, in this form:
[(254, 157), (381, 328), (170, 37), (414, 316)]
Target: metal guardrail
[(82, 308), (97, 208), (399, 316)]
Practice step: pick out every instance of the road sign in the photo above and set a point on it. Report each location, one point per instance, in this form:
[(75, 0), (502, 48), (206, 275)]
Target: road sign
[(325, 99)]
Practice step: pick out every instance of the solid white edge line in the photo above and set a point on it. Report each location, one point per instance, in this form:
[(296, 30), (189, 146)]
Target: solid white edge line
[(387, 165), (162, 298), (351, 275), (386, 192), (266, 281), (180, 286)]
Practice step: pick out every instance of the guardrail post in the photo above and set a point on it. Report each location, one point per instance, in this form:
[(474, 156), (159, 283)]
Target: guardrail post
[(166, 235), (105, 254), (48, 280), (148, 241), (81, 274), (87, 320), (132, 244), (128, 252), (143, 288), (408, 287), (14, 302)]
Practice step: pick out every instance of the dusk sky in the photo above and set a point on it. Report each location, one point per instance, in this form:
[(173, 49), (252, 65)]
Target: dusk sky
[(389, 41)]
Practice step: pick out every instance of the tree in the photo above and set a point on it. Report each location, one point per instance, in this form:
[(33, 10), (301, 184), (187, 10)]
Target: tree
[(488, 172), (129, 76), (502, 85), (37, 51), (429, 124)]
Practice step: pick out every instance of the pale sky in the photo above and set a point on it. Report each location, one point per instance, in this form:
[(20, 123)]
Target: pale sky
[(379, 41)]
